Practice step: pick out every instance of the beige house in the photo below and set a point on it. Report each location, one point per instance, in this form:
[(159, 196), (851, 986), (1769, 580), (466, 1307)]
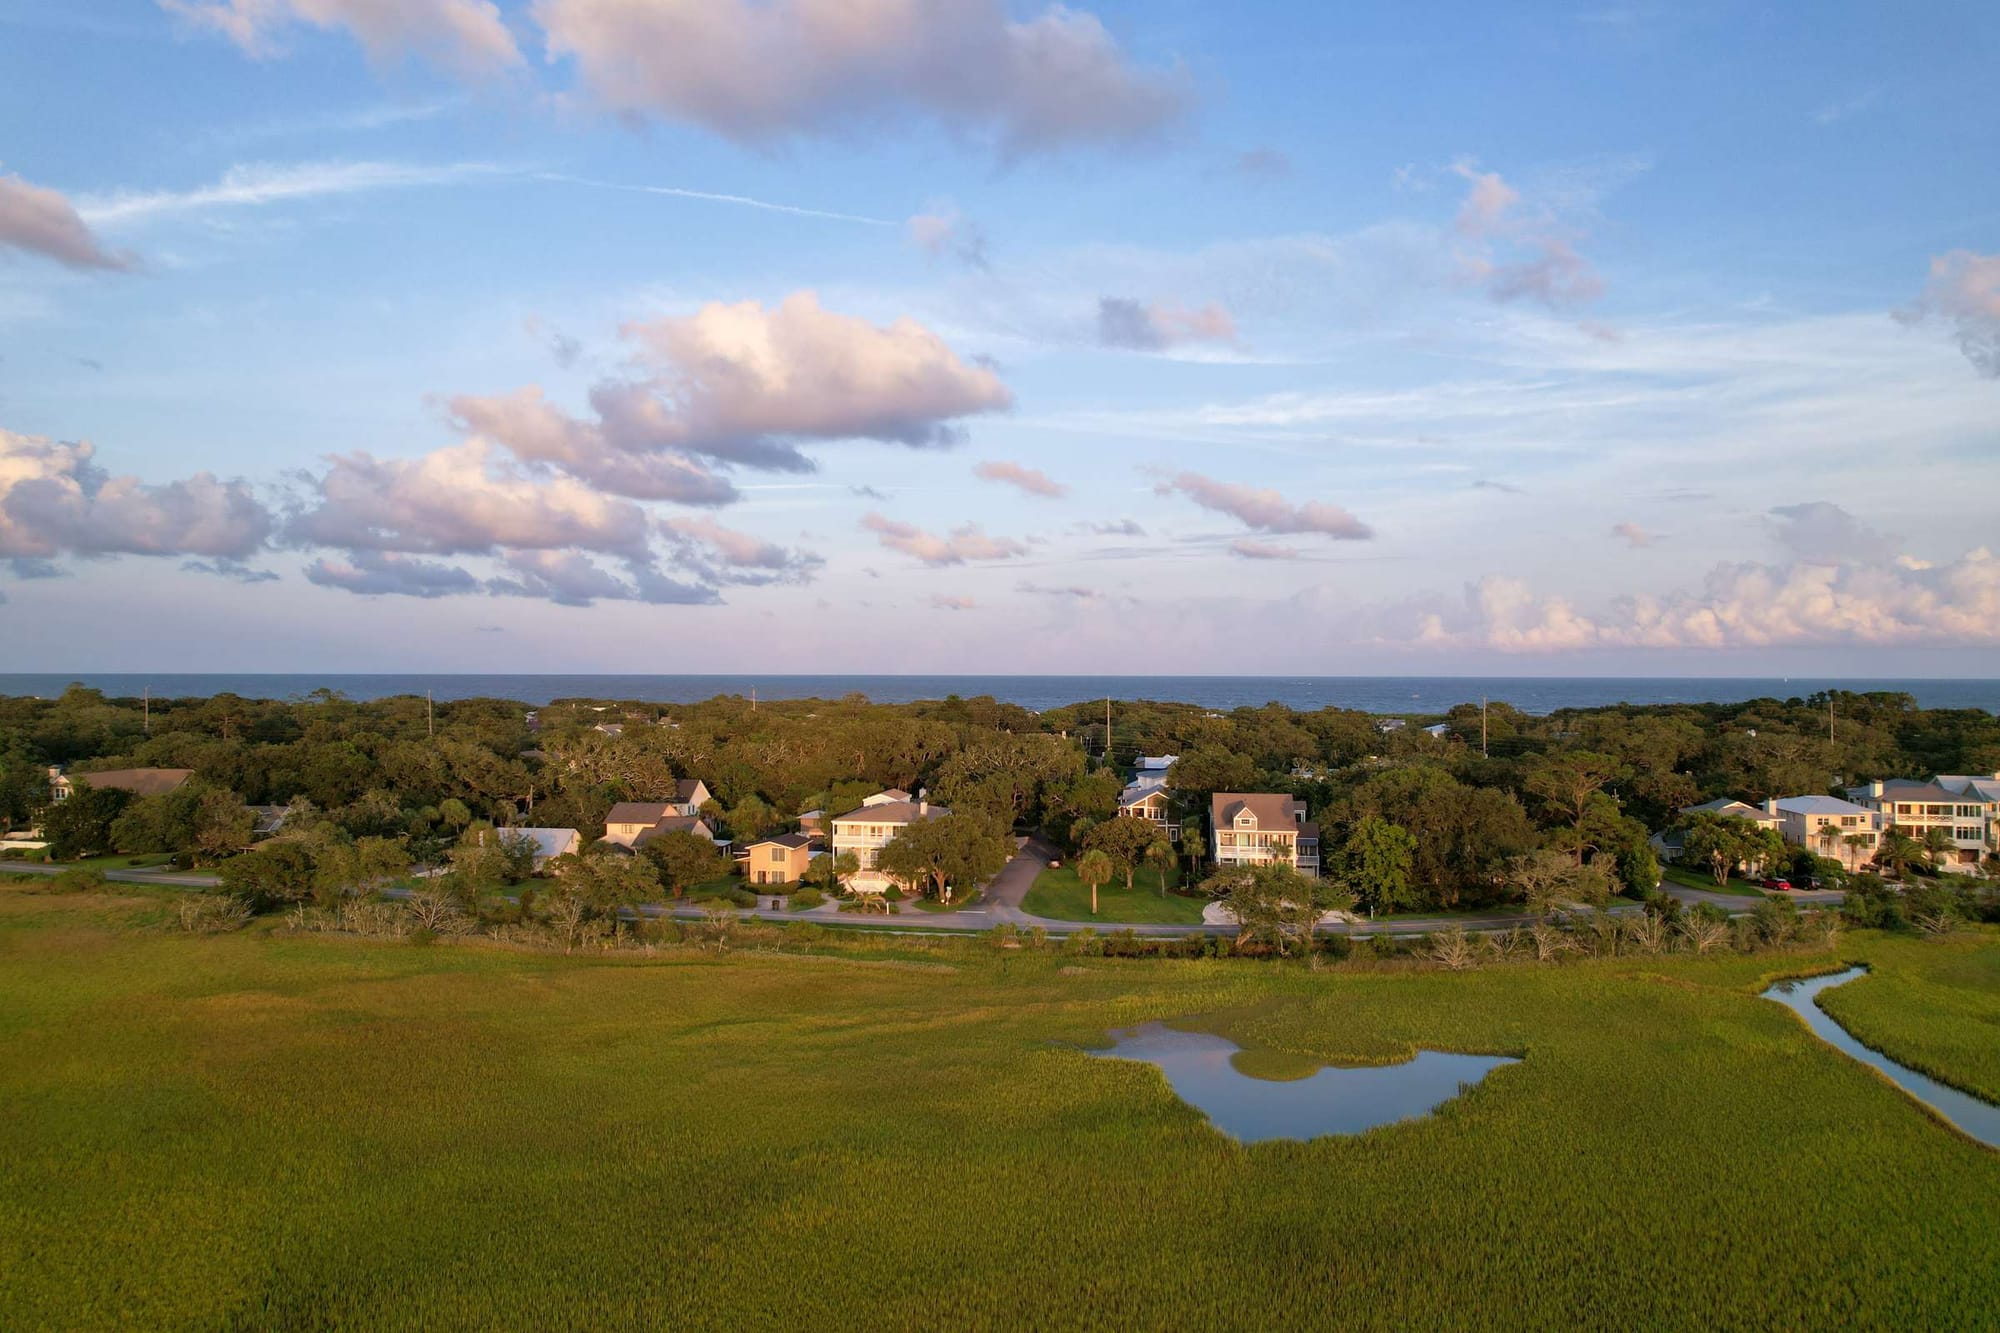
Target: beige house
[(627, 820), (1256, 828), (1147, 798), (1828, 826), (781, 859), (1913, 809), (694, 824), (866, 831)]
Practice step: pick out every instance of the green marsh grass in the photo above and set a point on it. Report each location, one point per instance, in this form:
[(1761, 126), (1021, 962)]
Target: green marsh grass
[(263, 1130)]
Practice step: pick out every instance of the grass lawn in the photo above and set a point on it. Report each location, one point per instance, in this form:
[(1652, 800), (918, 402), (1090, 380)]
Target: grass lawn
[(1059, 895), (958, 902), (269, 1131), (1695, 879)]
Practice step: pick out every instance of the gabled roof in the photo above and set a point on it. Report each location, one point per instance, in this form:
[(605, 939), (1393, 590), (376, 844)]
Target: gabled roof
[(1272, 810), (637, 812), (893, 796), (138, 781), (676, 824), (892, 812), (1139, 788), (1156, 763), (1977, 787), (549, 841), (685, 788)]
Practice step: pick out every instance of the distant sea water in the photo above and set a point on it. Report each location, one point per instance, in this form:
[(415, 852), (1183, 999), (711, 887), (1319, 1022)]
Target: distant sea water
[(1373, 694)]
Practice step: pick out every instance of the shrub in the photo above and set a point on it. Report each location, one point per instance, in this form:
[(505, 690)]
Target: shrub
[(1085, 943), (80, 879), (893, 894), (211, 913), (806, 899)]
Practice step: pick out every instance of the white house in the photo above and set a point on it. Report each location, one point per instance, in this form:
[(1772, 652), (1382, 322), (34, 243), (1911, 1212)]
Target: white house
[(866, 831), (1829, 827), (1147, 797)]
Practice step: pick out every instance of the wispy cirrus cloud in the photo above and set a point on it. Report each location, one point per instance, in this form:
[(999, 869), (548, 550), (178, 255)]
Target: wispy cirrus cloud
[(1155, 326), (259, 185), (1632, 535)]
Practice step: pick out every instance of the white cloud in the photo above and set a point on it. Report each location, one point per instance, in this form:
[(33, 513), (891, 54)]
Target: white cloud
[(1032, 480), (1516, 252), (743, 386), (468, 36), (1267, 510), (726, 555), (1152, 327), (257, 184), (55, 501), (763, 72), (460, 500), (964, 544), (941, 602), (1964, 292), (41, 221)]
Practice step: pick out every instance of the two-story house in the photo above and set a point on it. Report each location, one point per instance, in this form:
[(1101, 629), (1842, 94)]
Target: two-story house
[(1146, 797), (866, 831), (1828, 826), (1253, 828), (1983, 788), (779, 859), (627, 821), (1913, 809)]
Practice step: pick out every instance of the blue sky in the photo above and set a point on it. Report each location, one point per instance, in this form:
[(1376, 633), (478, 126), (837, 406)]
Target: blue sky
[(970, 336)]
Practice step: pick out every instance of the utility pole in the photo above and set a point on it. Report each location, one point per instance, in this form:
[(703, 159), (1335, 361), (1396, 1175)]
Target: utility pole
[(430, 716), (1483, 753), (146, 707), (1829, 717), (753, 698), (1107, 731)]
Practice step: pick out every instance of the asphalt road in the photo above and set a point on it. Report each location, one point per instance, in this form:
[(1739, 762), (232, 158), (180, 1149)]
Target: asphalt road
[(1002, 899)]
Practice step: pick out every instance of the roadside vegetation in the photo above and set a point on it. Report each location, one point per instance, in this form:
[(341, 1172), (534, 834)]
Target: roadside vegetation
[(698, 1136)]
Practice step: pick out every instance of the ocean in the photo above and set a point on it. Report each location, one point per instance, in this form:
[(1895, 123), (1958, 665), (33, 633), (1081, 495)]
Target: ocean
[(1373, 694)]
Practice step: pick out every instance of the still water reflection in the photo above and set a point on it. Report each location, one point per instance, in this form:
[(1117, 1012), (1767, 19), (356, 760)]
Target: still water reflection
[(1208, 1073)]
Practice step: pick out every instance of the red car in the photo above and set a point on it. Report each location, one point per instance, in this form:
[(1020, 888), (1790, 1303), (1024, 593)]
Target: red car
[(1781, 885)]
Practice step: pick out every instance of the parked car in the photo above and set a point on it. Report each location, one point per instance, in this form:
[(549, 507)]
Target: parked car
[(1775, 883)]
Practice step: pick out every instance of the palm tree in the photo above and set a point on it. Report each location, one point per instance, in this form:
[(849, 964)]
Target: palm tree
[(1829, 836), (1163, 858), (1938, 846), (1897, 853), (1094, 868)]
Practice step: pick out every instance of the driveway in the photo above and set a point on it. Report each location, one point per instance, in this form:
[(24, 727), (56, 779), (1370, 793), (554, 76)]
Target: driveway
[(1006, 891), (171, 879)]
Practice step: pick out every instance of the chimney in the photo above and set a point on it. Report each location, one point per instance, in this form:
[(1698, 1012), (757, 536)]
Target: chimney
[(923, 802), (1770, 805), (1876, 788)]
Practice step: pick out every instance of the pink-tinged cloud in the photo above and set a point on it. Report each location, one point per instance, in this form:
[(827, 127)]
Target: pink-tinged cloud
[(943, 603), (1632, 534), (744, 385), (55, 501), (760, 72), (468, 36), (1488, 202), (536, 431), (1519, 253), (1028, 479), (725, 555), (1861, 599), (947, 232), (963, 544), (1251, 549), (460, 500), (41, 221), (1964, 292), (1143, 327), (1266, 510)]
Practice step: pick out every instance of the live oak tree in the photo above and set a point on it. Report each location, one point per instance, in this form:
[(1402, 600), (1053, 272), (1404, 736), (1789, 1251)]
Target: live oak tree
[(1127, 841), (1276, 904), (932, 855), (681, 860), (1725, 842), (1374, 863)]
